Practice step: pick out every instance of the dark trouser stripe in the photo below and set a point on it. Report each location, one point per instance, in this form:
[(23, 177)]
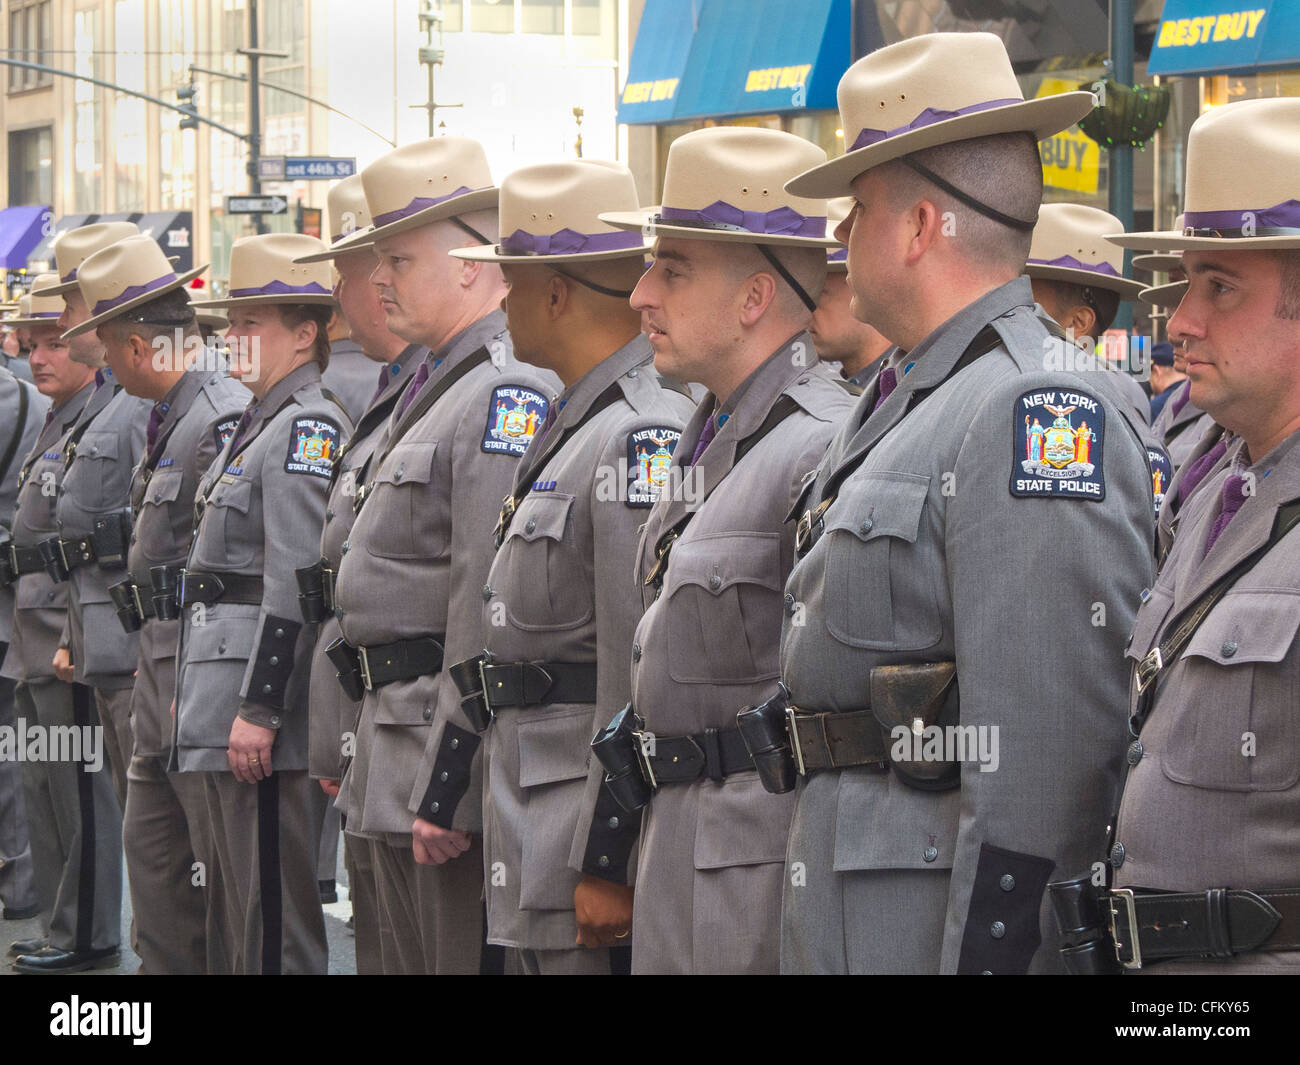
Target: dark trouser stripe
[(268, 868), (620, 961), (83, 717), (491, 959)]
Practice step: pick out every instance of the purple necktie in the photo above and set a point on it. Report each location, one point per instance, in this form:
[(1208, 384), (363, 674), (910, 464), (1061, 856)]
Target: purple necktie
[(888, 382), (710, 431), (99, 378), (383, 383), (549, 420), (155, 423), (1233, 498), (1197, 470), (245, 420), (1180, 401), (417, 383)]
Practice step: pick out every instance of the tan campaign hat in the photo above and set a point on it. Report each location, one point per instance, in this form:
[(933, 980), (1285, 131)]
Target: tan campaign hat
[(837, 258), (1069, 244), (1158, 263), (42, 305), (123, 275), (72, 248), (1243, 181), (727, 183), (264, 268), (1170, 295), (424, 182), (349, 219), (549, 215), (207, 317), (932, 90)]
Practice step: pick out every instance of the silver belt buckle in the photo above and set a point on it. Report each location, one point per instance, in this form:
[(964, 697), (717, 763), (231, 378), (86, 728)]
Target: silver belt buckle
[(795, 749), (1149, 668), (63, 553), (139, 603), (1130, 916), (641, 756), (363, 658), (180, 589), (328, 577)]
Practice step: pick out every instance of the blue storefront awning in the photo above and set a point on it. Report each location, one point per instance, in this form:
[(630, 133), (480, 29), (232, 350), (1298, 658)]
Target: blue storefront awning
[(21, 229), (1217, 36), (720, 58)]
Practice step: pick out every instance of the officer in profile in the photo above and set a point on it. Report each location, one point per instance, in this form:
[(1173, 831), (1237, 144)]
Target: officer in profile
[(1165, 377)]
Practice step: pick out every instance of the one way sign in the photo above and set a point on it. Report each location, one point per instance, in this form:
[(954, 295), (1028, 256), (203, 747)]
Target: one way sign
[(256, 205)]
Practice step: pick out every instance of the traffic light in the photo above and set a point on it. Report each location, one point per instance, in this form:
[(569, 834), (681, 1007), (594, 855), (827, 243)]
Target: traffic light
[(186, 94)]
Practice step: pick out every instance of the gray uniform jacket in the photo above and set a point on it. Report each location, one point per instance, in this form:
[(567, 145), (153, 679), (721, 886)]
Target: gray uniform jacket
[(709, 872), (1181, 429), (417, 559), (12, 391), (200, 414), (1212, 798), (332, 713), (563, 591), (350, 376), (955, 540), (97, 486), (19, 367), (40, 605), (259, 510)]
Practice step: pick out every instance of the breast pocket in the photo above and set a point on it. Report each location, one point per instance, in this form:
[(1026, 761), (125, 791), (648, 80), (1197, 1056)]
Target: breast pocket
[(155, 527), (547, 586), (91, 485), (225, 542), (724, 592), (409, 517), (881, 576), (1236, 699)]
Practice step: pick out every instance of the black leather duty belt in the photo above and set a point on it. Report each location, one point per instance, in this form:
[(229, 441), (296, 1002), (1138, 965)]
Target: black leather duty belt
[(23, 560), (209, 588), (142, 597), (835, 740), (1220, 923), (538, 683), (386, 663), (713, 753)]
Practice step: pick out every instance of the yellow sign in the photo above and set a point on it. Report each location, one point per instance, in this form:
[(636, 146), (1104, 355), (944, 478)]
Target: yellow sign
[(1071, 159), (777, 78), (1183, 32), (640, 92)]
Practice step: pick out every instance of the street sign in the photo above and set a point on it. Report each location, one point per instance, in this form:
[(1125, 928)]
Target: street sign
[(270, 167), (318, 167), (256, 205)]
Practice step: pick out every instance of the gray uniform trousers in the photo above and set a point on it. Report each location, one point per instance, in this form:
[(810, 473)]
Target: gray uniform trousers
[(114, 706), (359, 860), (17, 886)]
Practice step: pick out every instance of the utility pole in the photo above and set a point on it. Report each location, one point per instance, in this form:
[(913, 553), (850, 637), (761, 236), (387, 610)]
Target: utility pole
[(254, 54), (1120, 184), (431, 57)]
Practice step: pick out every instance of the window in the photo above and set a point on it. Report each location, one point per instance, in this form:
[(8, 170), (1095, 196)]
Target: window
[(492, 16), (130, 121), (543, 16), (589, 17), (31, 166), (453, 15), (87, 154), (31, 36)]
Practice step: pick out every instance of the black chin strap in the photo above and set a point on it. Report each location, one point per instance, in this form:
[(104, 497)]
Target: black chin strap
[(966, 198), (808, 301), (469, 229), (618, 293)]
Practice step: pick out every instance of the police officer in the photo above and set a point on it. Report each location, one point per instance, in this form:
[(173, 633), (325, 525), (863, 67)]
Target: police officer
[(333, 719), (411, 579), (972, 549), (838, 336), (73, 819), (1207, 823), (152, 345), (23, 410), (560, 614), (738, 268), (244, 655)]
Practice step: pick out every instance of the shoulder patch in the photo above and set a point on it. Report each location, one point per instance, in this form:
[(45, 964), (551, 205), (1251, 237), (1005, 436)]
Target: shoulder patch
[(514, 414), (1162, 472), (1057, 443), (649, 463), (312, 444), (223, 430)]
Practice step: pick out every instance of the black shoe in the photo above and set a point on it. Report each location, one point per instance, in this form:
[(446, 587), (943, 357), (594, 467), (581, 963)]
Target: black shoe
[(27, 946), (328, 891), (26, 913), (54, 960)]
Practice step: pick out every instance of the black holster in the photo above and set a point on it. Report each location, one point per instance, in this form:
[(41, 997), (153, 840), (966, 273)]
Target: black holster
[(165, 581), (347, 666), (128, 611), (315, 591), (468, 678), (764, 730), (7, 574), (52, 557), (1087, 948), (908, 695), (618, 748), (112, 538)]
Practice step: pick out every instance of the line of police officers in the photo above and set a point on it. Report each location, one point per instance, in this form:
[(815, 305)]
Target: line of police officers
[(552, 724)]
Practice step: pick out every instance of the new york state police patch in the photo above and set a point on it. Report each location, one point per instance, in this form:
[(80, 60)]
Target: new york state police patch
[(1162, 472), (223, 430), (514, 414), (649, 463), (312, 445), (1057, 444)]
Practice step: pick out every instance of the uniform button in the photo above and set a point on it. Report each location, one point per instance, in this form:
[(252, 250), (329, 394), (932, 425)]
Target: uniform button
[(1007, 882), (428, 714), (632, 372), (275, 660), (266, 689), (987, 972), (433, 807), (1117, 855), (454, 744), (329, 515), (931, 853), (715, 582), (613, 822), (1135, 750), (530, 525), (443, 776), (1129, 642), (346, 546), (1228, 649), (997, 930), (487, 592), (397, 473), (94, 449), (604, 861), (789, 602), (221, 647), (279, 634), (275, 720), (636, 652), (866, 526), (338, 612)]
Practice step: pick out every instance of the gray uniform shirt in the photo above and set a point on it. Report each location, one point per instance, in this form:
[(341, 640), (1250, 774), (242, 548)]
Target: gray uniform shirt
[(11, 392), (350, 376), (1180, 425)]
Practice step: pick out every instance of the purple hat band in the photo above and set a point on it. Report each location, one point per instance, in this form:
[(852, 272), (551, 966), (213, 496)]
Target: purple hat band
[(132, 292), (782, 221), (279, 288), (569, 242), (420, 203), (928, 117), (71, 275), (839, 255), (44, 314), (1069, 262), (1280, 220)]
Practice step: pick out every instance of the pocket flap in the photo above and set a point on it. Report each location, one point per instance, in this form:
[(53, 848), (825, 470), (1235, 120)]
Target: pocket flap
[(221, 639), (164, 487), (1248, 626), (542, 515), (881, 504), (718, 561), (738, 823), (237, 496), (99, 445), (406, 702), (881, 823), (409, 463), (554, 747)]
